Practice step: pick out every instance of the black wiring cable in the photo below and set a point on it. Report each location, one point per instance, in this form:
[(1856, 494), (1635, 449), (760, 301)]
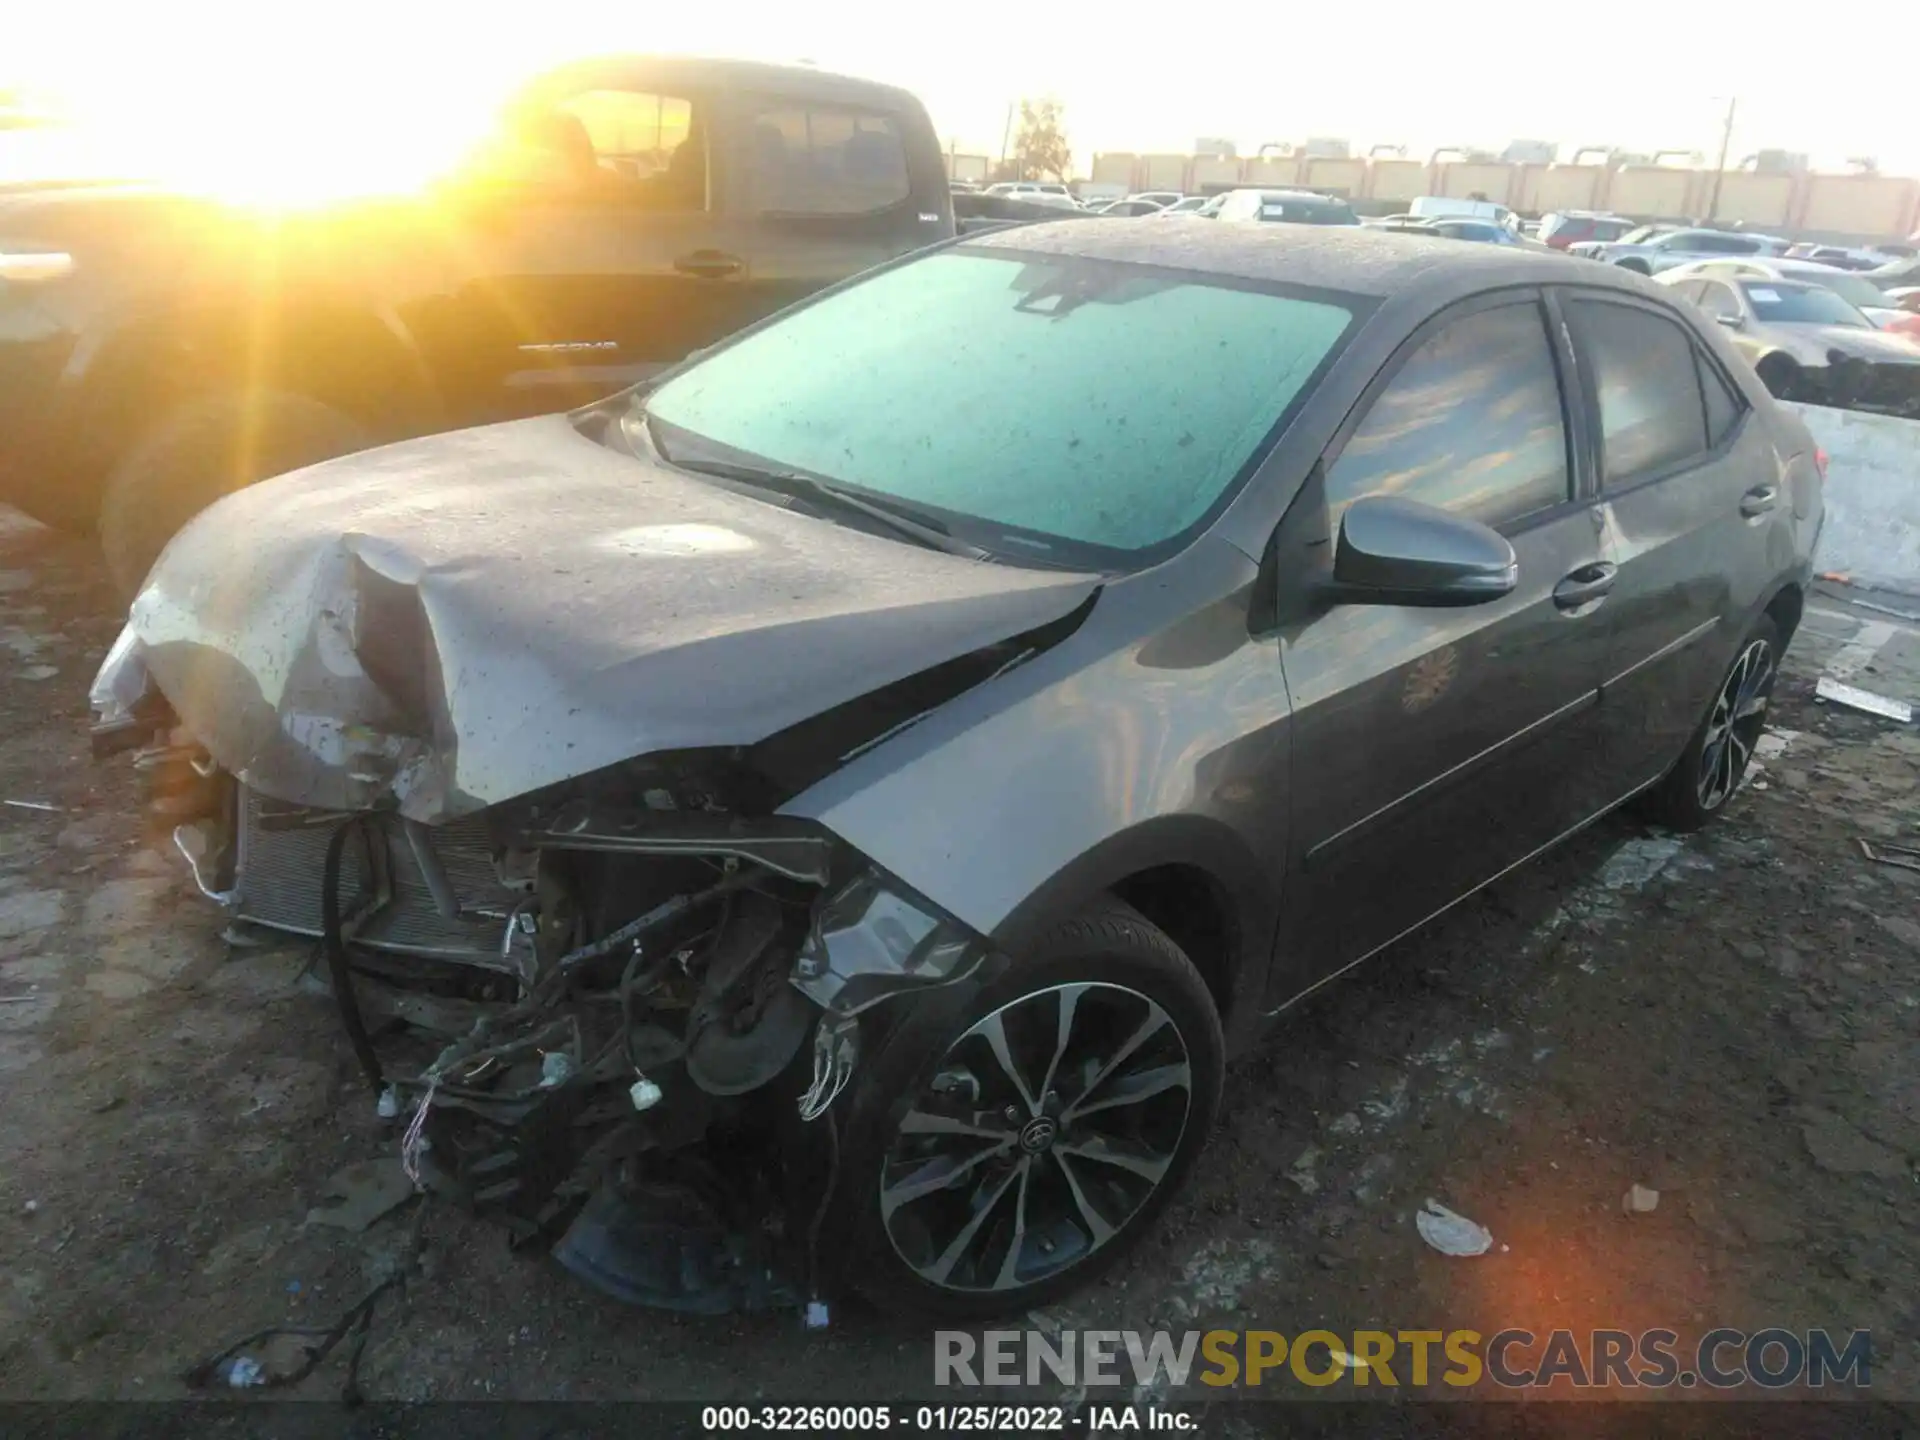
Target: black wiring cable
[(356, 1323), (820, 1210), (335, 945)]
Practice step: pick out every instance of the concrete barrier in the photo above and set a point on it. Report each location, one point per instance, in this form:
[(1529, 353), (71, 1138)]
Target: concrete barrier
[(1873, 496)]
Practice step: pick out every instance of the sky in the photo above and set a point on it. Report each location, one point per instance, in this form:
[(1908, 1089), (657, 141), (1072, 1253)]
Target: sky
[(1469, 72)]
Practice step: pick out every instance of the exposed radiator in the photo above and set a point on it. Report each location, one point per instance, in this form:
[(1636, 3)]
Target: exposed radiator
[(279, 866)]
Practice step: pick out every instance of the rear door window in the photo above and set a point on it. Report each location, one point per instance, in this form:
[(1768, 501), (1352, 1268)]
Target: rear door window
[(633, 146), (1652, 414), (1472, 423), (814, 159)]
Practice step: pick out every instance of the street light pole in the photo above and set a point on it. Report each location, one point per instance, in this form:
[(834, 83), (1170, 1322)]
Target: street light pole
[(1720, 169)]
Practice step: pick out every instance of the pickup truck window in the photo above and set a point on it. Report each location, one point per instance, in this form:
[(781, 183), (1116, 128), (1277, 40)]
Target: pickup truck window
[(826, 160), (628, 146)]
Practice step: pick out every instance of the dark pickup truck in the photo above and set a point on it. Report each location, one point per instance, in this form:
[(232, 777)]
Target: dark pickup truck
[(159, 349)]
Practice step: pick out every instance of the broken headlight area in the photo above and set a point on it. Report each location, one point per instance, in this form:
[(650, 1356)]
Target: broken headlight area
[(614, 1025)]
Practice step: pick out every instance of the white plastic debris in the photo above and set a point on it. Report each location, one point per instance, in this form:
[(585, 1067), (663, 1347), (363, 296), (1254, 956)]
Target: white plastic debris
[(817, 1315), (32, 1207), (645, 1094), (1639, 1200), (388, 1107), (1452, 1234), (555, 1067), (244, 1372), (1856, 699)]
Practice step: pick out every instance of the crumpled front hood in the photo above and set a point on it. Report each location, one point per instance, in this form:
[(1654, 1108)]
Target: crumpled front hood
[(456, 621)]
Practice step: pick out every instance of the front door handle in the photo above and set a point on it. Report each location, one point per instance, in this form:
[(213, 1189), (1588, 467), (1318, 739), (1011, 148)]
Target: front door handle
[(1759, 500), (1585, 585), (709, 265)]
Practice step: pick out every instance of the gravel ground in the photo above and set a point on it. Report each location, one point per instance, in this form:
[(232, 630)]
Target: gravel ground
[(1730, 1019)]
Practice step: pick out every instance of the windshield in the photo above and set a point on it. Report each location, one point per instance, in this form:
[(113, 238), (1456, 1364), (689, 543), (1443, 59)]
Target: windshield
[(1306, 212), (1779, 304), (1642, 235), (981, 388), (1850, 288)]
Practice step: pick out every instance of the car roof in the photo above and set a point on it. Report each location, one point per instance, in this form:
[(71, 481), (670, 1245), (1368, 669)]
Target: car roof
[(1360, 260), (1785, 267), (720, 73), (1282, 192)]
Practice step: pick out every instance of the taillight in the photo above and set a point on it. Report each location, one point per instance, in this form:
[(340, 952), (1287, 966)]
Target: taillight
[(1820, 462)]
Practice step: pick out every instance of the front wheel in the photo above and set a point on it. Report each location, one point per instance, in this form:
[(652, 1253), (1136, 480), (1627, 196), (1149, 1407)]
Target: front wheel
[(1011, 1148), (1710, 769), (202, 451)]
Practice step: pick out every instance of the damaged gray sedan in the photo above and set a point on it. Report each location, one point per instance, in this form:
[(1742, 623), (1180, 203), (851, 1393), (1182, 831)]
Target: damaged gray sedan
[(836, 809)]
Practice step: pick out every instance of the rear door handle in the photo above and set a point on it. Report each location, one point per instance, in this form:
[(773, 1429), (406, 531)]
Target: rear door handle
[(1585, 585), (709, 265), (1759, 500)]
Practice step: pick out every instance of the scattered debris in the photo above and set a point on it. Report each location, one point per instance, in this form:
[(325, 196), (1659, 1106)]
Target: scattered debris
[(1300, 1173), (1640, 1200), (645, 1094), (366, 1190), (388, 1106), (1866, 700), (244, 1372), (39, 805), (1905, 856), (1638, 861), (1450, 1233), (817, 1316), (32, 1207), (39, 672)]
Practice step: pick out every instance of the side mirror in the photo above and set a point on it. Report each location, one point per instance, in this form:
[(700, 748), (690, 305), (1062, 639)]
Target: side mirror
[(1399, 552), (1732, 322)]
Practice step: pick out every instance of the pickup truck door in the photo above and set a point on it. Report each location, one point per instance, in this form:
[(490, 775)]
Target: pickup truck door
[(611, 253)]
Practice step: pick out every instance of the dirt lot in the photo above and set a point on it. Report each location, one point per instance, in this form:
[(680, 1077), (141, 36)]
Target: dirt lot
[(1732, 1020)]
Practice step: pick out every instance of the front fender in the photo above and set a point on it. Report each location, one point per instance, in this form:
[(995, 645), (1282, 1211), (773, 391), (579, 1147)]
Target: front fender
[(1154, 735)]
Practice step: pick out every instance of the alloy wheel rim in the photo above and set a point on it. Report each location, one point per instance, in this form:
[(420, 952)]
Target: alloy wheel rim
[(1733, 728), (1044, 1131)]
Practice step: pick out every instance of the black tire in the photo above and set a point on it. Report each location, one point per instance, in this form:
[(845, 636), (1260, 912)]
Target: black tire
[(1689, 796), (1119, 967), (206, 449)]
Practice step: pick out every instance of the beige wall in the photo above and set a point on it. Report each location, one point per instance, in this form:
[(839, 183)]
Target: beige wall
[(1398, 179), (1762, 201), (1271, 171), (1347, 176), (1650, 190), (1562, 187), (1163, 172), (1869, 204), (1114, 167), (1213, 171), (1460, 181)]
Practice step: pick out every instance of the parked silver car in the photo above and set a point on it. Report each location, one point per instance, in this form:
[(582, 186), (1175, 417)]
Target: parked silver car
[(1806, 343), (1856, 290), (879, 772), (1653, 248)]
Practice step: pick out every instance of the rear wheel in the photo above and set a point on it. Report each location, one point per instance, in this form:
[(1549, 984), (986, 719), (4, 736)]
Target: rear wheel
[(1011, 1147), (1710, 769), (200, 452)]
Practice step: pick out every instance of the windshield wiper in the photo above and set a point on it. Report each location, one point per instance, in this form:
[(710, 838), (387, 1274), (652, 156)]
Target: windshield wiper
[(792, 483)]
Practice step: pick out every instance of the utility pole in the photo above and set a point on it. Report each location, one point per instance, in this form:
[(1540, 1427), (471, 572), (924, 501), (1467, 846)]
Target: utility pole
[(1006, 137), (1720, 170)]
